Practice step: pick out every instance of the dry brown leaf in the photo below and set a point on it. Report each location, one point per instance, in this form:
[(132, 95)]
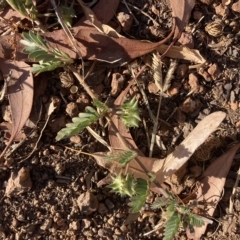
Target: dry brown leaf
[(182, 52), (6, 127), (166, 167), (181, 10), (102, 28), (103, 15), (20, 94), (211, 185), (97, 46)]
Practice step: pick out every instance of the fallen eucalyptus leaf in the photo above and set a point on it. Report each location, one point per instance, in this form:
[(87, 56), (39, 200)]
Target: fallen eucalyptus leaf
[(20, 93), (211, 186)]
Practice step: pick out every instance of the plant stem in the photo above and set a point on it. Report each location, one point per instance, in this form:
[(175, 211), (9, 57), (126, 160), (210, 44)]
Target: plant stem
[(82, 82)]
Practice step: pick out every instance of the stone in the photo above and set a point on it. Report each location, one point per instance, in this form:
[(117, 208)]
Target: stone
[(87, 203), (194, 83), (72, 109), (109, 204), (117, 84), (86, 223), (152, 88), (19, 182), (236, 6), (125, 20), (102, 209), (221, 10), (186, 39), (214, 71), (74, 225), (190, 105), (181, 70)]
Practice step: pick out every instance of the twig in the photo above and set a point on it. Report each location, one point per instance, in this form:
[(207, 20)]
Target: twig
[(82, 82), (136, 21), (234, 192), (68, 32), (50, 111), (139, 10), (99, 138), (4, 89), (155, 126)]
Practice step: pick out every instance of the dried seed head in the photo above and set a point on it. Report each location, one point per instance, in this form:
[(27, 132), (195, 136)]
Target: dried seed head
[(215, 28)]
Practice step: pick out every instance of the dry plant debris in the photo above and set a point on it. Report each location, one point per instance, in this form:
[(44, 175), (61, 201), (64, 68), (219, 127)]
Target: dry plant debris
[(197, 100)]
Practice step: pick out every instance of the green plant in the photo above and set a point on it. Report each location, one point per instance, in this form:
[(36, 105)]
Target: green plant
[(176, 214), (49, 58), (25, 7), (91, 115)]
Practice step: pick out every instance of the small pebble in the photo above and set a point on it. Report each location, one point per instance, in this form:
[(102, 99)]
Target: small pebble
[(102, 209), (109, 204), (221, 10), (72, 109), (86, 223), (74, 225), (214, 71), (236, 6), (125, 20)]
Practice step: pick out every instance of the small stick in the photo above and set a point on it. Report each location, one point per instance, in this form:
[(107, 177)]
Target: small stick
[(4, 89), (136, 21)]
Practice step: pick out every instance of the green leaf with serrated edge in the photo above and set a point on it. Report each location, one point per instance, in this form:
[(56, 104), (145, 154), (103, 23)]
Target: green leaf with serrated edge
[(137, 202), (171, 208), (142, 191), (122, 157), (172, 226), (195, 220), (102, 106), (130, 116), (161, 202), (142, 187)]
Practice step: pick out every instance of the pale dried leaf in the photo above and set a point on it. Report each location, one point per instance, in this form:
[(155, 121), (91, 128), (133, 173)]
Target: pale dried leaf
[(182, 52), (211, 185), (20, 94), (166, 167)]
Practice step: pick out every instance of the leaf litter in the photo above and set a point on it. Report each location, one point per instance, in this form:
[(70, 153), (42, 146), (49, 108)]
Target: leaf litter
[(89, 40)]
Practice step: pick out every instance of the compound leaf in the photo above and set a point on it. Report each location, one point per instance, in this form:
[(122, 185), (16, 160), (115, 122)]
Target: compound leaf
[(172, 226)]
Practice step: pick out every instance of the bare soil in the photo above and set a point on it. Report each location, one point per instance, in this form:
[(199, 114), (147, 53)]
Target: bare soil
[(62, 195)]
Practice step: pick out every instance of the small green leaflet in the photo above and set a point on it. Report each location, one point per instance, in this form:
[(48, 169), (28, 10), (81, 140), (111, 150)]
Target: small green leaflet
[(19, 6), (49, 58), (172, 226), (123, 158), (141, 193), (79, 123)]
